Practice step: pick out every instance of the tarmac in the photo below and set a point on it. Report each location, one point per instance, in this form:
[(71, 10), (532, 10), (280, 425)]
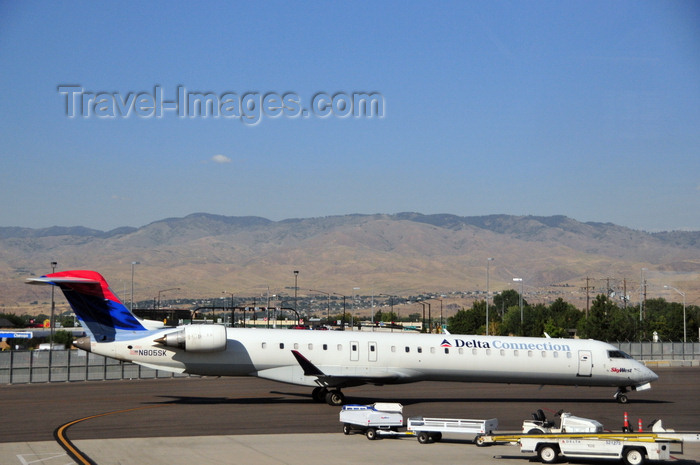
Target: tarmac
[(281, 449)]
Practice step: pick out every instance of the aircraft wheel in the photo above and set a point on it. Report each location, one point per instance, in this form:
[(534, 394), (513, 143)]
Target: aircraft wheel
[(633, 457), (335, 398), (319, 394), (622, 399), (548, 453)]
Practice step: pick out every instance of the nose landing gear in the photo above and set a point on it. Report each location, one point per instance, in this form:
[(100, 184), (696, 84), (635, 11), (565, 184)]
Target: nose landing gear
[(621, 395)]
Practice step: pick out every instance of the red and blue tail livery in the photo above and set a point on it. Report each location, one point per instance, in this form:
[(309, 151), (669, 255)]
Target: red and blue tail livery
[(99, 310)]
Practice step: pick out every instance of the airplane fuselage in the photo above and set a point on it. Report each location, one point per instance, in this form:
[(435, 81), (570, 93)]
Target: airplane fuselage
[(391, 358)]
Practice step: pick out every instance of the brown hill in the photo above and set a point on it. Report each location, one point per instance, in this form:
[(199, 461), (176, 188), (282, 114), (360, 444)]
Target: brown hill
[(406, 253)]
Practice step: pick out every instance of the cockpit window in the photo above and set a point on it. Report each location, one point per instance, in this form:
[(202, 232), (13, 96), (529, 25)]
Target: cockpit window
[(617, 354)]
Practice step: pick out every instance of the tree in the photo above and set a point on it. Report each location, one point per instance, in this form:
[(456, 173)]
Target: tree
[(386, 317), (472, 321), (63, 337), (607, 322), (506, 299)]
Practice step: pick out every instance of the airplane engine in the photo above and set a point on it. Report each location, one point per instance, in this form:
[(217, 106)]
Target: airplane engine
[(196, 338)]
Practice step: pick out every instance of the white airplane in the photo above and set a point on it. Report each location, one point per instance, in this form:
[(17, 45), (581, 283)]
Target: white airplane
[(332, 360)]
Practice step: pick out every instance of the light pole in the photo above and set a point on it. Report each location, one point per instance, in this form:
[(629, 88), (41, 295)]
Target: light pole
[(354, 306), (520, 299), (441, 323), (328, 307), (53, 307), (296, 275), (683, 295), (233, 310), (642, 294), (166, 290), (131, 304), (342, 319), (391, 303), (488, 263)]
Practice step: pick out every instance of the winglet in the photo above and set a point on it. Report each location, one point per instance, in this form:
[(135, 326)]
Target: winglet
[(309, 368)]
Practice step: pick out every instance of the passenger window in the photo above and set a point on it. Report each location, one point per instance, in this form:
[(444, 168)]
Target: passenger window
[(544, 354), (264, 345), (447, 350), (461, 351), (325, 346), (515, 352), (420, 350), (354, 348), (556, 354), (393, 348), (311, 347), (281, 345), (296, 346), (568, 355), (503, 352), (488, 351), (473, 351), (340, 347), (432, 350), (529, 353), (372, 348), (408, 349)]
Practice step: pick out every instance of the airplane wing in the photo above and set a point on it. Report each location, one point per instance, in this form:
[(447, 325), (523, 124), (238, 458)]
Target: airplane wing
[(327, 380)]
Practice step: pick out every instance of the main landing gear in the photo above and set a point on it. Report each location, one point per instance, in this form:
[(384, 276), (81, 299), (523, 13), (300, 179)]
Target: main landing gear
[(621, 395), (334, 397)]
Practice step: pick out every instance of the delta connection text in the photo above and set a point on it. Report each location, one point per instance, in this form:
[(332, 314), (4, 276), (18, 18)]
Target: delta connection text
[(498, 344)]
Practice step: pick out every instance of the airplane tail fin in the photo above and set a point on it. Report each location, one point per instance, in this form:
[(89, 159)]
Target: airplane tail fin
[(99, 310)]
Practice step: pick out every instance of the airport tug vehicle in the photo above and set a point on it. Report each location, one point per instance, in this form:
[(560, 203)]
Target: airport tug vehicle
[(583, 438)]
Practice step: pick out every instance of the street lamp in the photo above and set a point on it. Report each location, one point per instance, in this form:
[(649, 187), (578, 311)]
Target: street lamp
[(520, 280), (488, 263), (391, 303), (683, 295), (233, 310), (296, 275), (342, 319), (53, 307), (328, 308), (131, 304), (166, 290), (354, 307)]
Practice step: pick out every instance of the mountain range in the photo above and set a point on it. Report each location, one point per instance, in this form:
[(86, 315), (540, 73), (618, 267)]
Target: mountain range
[(205, 255)]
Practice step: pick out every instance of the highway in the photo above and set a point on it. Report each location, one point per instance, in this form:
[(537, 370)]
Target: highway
[(226, 410)]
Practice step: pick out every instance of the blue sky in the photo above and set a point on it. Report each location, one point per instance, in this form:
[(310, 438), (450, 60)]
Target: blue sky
[(586, 109)]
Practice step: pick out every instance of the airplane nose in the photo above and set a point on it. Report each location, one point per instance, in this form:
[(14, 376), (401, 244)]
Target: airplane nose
[(648, 375), (652, 376)]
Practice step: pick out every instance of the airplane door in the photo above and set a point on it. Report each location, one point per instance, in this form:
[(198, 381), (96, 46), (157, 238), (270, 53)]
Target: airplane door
[(585, 363), (372, 351), (354, 351)]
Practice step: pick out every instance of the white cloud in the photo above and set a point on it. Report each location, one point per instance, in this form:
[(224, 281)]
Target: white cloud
[(220, 159)]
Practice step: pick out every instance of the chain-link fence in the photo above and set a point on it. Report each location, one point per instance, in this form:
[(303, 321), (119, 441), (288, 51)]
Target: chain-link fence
[(42, 366)]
